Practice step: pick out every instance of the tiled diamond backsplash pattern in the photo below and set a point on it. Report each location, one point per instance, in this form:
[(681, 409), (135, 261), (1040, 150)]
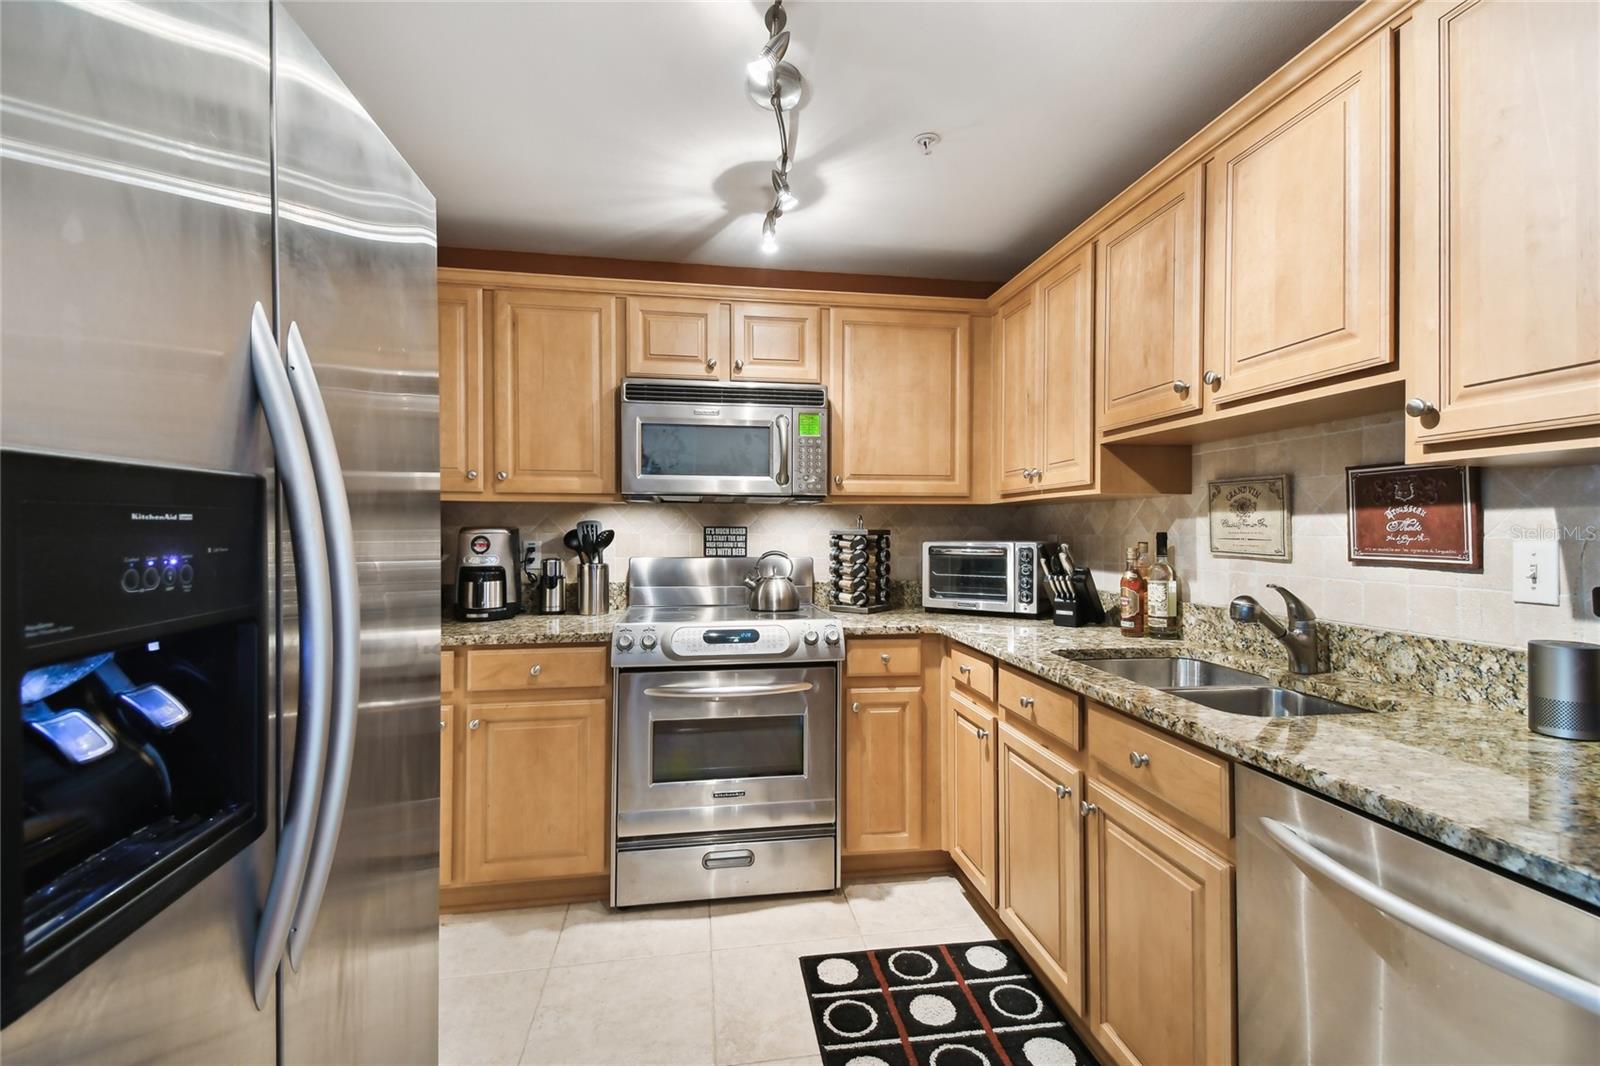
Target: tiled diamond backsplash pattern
[(1561, 503)]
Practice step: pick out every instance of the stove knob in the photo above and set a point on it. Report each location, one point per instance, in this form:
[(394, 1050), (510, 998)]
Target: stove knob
[(624, 641), (811, 636), (648, 641), (831, 635)]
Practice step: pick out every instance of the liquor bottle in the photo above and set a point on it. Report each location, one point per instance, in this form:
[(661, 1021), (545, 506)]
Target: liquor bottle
[(1132, 601), (1142, 558), (1161, 595)]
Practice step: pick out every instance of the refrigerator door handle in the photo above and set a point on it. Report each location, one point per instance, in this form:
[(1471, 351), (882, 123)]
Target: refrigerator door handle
[(341, 543), (298, 479)]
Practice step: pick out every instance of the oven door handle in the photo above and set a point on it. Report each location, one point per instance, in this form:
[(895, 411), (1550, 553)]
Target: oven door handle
[(713, 692), (988, 552)]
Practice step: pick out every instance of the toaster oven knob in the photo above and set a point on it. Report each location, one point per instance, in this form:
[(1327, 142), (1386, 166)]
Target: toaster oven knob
[(624, 641), (648, 641), (152, 577), (130, 580)]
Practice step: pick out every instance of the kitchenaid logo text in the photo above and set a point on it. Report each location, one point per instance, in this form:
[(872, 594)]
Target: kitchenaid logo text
[(165, 516)]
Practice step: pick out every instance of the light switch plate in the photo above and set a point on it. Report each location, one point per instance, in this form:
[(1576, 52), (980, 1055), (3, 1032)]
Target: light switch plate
[(1535, 572)]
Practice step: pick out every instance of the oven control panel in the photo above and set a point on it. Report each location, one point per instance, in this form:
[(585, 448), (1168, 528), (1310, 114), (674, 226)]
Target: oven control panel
[(723, 641), (640, 645)]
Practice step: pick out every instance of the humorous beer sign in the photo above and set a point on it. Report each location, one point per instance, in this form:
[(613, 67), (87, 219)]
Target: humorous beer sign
[(1418, 516)]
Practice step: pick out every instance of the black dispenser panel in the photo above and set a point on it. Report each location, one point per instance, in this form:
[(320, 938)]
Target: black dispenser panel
[(134, 710)]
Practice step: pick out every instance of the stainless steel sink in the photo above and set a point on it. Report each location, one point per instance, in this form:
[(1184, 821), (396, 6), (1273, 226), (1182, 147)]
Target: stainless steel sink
[(1263, 701), (1173, 673)]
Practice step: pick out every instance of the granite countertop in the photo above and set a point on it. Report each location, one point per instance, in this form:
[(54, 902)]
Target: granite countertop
[(1469, 776)]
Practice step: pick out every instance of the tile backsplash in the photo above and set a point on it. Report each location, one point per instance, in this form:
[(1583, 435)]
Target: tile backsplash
[(1558, 503)]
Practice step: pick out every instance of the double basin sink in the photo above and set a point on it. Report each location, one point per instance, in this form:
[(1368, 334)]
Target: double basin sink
[(1221, 688)]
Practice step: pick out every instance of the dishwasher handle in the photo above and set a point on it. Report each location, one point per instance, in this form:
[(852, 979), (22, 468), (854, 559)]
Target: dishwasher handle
[(1542, 975)]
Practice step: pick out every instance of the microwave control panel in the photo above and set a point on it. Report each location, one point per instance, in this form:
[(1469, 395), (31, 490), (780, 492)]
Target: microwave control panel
[(811, 452)]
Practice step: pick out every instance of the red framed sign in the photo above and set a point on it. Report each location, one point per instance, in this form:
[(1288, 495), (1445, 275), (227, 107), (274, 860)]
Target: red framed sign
[(1419, 516)]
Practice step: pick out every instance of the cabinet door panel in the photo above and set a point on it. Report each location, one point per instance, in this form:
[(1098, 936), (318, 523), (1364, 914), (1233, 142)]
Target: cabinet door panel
[(1017, 349), (555, 364), (970, 781), (1501, 164), (1160, 939), (535, 790), (1148, 334), (902, 403), (1300, 238), (447, 794), (462, 387), (882, 769), (1040, 884), (677, 338), (1066, 414), (777, 342)]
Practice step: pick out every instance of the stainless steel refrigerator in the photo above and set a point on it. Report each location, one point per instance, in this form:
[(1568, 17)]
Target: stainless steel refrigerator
[(219, 421)]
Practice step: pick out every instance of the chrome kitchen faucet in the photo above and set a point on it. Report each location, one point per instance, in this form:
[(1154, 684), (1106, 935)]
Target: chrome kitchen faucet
[(1299, 636)]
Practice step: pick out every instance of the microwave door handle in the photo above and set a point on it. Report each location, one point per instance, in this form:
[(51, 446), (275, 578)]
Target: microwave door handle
[(296, 475), (782, 435), (346, 639), (702, 692)]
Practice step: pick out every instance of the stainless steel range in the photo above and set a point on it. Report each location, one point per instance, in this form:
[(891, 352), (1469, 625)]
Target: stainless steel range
[(727, 724)]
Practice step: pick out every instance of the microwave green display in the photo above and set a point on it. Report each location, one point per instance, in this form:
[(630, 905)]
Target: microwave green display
[(811, 425)]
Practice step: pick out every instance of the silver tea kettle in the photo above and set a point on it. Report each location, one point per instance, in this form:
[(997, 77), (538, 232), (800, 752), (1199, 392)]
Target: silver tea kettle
[(771, 584)]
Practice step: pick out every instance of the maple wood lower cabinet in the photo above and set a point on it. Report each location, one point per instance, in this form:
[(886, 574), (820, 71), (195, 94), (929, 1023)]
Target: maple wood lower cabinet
[(1039, 890), (447, 767), (970, 787), (1160, 937), (882, 785)]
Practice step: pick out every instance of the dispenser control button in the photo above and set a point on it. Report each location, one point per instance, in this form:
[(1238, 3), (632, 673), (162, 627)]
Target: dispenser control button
[(130, 580), (624, 641), (159, 708), (152, 577), (79, 738), (648, 641)]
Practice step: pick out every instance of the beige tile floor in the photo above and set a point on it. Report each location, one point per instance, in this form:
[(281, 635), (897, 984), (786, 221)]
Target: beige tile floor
[(684, 984)]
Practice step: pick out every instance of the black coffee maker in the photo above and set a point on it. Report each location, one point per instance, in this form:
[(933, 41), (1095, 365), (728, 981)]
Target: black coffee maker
[(488, 575)]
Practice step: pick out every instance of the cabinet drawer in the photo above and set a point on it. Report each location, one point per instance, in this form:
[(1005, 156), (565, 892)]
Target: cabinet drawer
[(971, 671), (1053, 710), (883, 658), (447, 671), (520, 669), (1154, 765)]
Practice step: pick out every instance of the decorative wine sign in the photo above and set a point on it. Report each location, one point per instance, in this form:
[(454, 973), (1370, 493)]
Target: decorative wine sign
[(1419, 516), (1250, 517)]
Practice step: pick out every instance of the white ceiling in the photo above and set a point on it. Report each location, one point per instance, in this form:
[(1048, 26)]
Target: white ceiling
[(624, 129)]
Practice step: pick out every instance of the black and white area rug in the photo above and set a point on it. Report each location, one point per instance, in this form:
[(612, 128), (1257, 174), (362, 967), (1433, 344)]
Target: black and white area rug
[(974, 1004)]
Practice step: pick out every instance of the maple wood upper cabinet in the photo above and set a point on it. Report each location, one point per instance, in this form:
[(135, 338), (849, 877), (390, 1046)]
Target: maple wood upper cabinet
[(463, 385), (555, 369), (677, 337), (1147, 337), (1016, 340), (1300, 234), (901, 390), (776, 342), (1500, 116)]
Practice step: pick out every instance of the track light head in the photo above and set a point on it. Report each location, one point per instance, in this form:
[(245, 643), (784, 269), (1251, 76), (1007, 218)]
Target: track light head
[(769, 232), (780, 186), (771, 54)]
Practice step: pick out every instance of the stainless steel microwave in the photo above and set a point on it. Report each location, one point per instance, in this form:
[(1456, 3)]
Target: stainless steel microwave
[(991, 576), (690, 441)]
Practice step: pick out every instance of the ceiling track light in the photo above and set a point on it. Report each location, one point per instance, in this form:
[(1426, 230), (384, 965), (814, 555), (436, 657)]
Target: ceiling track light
[(776, 85)]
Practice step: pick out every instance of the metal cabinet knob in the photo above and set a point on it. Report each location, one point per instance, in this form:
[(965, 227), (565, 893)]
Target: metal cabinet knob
[(855, 708), (838, 479), (441, 725), (711, 362), (472, 475), (1062, 792), (475, 723), (983, 734), (1211, 377), (1180, 387), (1086, 808), (1416, 407), (535, 670), (1137, 759), (884, 658), (738, 365), (964, 668), (1025, 701), (500, 475)]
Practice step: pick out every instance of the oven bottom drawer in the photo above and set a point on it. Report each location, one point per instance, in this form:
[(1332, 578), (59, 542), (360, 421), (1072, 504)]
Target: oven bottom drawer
[(724, 869)]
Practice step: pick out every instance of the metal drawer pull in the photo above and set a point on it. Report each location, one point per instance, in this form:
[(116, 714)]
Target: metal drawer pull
[(1557, 982), (1026, 702), (475, 723), (534, 671), (1137, 759), (983, 734), (855, 708), (441, 725), (724, 860), (964, 668), (1086, 808), (884, 658), (472, 475), (1062, 792), (714, 692)]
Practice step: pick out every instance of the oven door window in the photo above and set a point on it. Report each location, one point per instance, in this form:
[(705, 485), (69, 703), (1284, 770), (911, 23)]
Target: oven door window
[(677, 449), (969, 573), (720, 749)]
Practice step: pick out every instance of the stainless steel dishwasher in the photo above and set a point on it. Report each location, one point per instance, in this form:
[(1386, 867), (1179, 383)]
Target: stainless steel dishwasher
[(1360, 944)]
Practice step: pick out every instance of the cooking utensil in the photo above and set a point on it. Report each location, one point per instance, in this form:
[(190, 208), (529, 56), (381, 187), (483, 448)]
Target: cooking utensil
[(575, 544), (588, 531), (602, 542)]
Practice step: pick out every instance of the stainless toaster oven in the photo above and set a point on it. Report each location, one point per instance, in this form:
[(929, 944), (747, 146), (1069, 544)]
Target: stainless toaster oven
[(991, 576)]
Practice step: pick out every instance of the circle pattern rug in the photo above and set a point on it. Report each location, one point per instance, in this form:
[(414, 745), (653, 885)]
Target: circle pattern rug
[(971, 1004)]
